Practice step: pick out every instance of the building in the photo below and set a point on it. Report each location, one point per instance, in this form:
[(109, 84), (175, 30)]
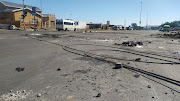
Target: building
[(94, 25), (80, 25), (111, 27), (11, 13), (49, 21), (108, 22), (105, 26)]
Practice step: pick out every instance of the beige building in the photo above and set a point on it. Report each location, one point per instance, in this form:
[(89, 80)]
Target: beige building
[(49, 21), (11, 13)]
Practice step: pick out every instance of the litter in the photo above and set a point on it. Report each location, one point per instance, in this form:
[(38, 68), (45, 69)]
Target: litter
[(132, 43)]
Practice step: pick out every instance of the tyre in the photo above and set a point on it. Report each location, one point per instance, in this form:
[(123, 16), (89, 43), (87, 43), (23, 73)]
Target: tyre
[(59, 30)]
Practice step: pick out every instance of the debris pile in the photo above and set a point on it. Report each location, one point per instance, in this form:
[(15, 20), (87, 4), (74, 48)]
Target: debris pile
[(170, 35), (131, 43), (176, 35)]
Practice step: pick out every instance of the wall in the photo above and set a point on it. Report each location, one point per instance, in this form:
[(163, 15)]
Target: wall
[(81, 25), (8, 18)]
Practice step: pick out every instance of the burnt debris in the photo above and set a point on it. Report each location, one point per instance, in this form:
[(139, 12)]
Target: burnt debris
[(130, 43), (19, 69)]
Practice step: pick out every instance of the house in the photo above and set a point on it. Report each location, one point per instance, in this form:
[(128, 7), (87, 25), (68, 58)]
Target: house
[(80, 25), (49, 21), (11, 13), (105, 26), (94, 25)]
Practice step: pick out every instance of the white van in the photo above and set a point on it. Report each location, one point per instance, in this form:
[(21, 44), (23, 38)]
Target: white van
[(66, 25)]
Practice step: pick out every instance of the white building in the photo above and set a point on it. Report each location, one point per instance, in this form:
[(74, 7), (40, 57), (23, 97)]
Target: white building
[(80, 25)]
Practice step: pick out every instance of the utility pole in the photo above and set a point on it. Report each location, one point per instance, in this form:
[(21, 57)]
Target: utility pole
[(23, 12), (147, 22), (140, 15), (125, 24), (41, 15)]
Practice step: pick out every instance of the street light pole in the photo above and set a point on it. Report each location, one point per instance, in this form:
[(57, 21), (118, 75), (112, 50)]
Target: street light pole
[(140, 15)]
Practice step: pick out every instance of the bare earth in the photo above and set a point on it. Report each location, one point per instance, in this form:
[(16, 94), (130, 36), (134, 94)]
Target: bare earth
[(35, 67)]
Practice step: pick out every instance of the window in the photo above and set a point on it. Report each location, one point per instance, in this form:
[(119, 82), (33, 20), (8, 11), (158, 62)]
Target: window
[(68, 23), (76, 23), (34, 21), (21, 19)]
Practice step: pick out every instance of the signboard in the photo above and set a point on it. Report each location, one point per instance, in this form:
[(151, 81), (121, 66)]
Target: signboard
[(34, 11)]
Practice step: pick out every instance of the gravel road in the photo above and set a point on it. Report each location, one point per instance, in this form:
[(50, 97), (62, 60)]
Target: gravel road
[(34, 69)]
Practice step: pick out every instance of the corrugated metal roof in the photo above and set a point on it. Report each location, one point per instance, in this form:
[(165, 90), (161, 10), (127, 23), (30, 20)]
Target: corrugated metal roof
[(10, 4), (93, 23), (7, 10)]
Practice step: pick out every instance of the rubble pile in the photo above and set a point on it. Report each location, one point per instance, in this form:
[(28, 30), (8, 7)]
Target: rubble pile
[(176, 35)]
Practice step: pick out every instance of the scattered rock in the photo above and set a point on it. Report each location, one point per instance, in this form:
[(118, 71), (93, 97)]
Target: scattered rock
[(58, 69), (149, 86), (10, 91), (39, 95), (139, 43), (117, 44), (82, 71), (23, 91), (132, 43), (19, 69), (66, 75), (176, 52), (98, 95), (136, 75), (47, 93), (69, 97), (118, 66), (153, 97), (138, 59)]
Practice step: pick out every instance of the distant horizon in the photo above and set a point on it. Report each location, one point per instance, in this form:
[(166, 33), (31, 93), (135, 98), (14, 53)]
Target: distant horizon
[(118, 12)]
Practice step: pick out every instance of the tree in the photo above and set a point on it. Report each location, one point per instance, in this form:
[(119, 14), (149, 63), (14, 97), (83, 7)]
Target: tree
[(172, 24), (135, 27)]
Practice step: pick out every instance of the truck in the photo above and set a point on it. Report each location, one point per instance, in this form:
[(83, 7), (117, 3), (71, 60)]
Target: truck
[(166, 28)]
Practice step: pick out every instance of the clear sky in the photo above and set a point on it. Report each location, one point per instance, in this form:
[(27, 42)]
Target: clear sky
[(116, 11)]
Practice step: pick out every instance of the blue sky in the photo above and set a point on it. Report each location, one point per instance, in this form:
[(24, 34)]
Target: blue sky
[(116, 11)]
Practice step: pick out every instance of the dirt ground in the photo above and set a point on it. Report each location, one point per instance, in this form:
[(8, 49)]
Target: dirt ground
[(35, 67)]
